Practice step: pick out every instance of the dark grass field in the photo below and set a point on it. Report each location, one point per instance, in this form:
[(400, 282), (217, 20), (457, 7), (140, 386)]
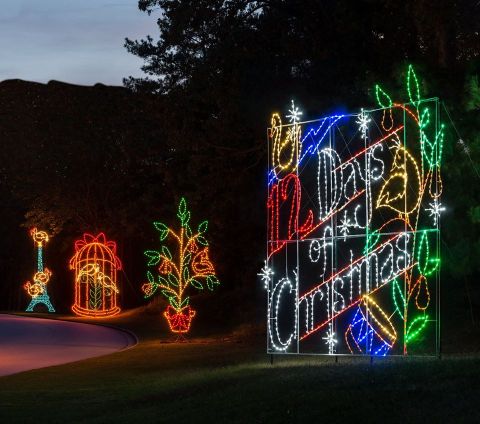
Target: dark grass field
[(230, 379)]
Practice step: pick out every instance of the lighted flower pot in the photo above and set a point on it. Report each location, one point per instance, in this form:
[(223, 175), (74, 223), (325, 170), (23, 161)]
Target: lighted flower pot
[(179, 321)]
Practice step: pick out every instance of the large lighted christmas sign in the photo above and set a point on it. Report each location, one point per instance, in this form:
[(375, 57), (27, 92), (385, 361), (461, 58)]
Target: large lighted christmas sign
[(182, 262), (353, 249), (38, 289), (95, 264)]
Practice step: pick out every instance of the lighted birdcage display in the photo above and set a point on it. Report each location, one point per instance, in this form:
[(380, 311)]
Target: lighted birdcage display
[(96, 288)]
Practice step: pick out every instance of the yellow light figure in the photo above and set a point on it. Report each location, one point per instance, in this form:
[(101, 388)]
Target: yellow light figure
[(287, 145), (371, 327), (40, 280), (39, 237), (404, 173), (95, 264)]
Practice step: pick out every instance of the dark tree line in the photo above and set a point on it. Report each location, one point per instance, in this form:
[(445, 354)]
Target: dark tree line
[(73, 160), (114, 159), (227, 64)]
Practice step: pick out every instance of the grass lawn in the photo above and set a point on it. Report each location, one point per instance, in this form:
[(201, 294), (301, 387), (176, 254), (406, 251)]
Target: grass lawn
[(230, 379)]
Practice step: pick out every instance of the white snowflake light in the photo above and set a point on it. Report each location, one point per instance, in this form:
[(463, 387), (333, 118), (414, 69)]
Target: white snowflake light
[(363, 121), (330, 340), (265, 274), (344, 226), (435, 210), (295, 113)]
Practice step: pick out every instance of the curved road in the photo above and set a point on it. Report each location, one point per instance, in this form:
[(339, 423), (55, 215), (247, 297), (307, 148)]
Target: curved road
[(28, 343)]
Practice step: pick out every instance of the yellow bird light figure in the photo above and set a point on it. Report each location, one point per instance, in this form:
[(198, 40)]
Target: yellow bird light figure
[(91, 274), (40, 280), (287, 145), (404, 175), (39, 237)]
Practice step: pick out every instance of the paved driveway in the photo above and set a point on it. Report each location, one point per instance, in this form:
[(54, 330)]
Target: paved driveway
[(28, 343)]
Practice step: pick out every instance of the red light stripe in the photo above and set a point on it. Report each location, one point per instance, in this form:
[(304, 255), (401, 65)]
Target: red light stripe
[(369, 147), (318, 327), (348, 266)]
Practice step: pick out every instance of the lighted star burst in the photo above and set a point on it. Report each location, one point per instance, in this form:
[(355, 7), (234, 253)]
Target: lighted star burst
[(363, 121), (344, 226), (435, 210), (330, 340), (295, 113), (266, 274)]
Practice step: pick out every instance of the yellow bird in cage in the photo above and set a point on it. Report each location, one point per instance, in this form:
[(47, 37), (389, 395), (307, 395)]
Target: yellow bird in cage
[(91, 274)]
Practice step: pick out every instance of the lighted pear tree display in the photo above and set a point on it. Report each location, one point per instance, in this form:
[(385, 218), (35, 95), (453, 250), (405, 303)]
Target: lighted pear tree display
[(182, 263)]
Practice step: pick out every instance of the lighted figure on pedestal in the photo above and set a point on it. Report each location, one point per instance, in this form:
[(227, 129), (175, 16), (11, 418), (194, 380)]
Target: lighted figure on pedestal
[(353, 249), (38, 290), (183, 264), (95, 264)]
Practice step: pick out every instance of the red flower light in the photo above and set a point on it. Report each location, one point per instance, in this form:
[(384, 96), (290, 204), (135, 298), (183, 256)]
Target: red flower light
[(201, 263), (165, 267), (148, 289)]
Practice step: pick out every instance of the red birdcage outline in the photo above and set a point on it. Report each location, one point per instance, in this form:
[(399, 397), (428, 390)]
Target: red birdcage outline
[(96, 259)]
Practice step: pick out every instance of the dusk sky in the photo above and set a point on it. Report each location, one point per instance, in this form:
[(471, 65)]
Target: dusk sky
[(79, 42)]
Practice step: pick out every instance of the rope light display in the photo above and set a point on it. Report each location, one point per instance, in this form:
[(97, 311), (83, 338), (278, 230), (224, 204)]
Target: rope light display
[(182, 262), (95, 264), (38, 290), (353, 239)]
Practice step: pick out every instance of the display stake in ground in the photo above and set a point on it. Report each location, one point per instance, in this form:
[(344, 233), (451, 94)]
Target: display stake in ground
[(182, 262)]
